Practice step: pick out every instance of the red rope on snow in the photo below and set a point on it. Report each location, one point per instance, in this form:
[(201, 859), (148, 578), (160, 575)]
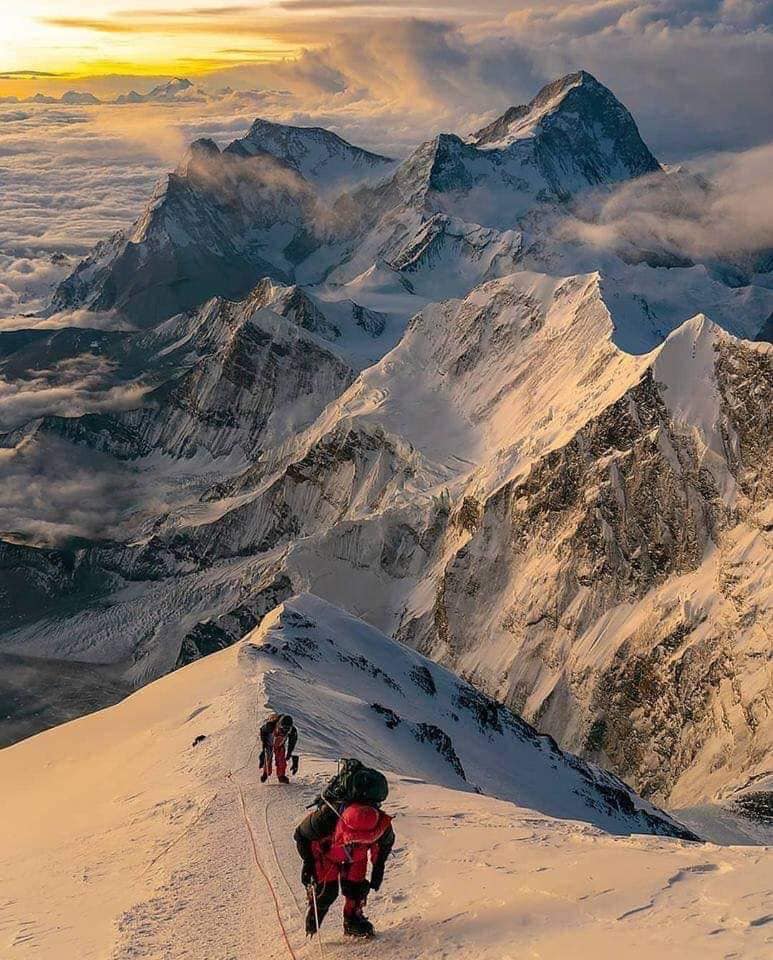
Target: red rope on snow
[(266, 877), (277, 862)]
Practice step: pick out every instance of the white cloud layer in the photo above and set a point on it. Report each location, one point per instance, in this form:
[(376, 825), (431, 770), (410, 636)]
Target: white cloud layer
[(695, 73), (724, 213), (69, 388), (53, 491)]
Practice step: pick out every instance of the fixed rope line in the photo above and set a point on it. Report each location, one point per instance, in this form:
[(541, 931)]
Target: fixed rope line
[(186, 829), (311, 888), (182, 833), (265, 876), (278, 864)]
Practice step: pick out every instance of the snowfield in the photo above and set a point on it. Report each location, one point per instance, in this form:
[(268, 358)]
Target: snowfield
[(122, 837), (401, 448)]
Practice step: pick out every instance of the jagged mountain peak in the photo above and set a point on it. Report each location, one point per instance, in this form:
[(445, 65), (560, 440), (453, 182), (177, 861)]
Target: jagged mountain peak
[(574, 135), (204, 149), (521, 120), (319, 155), (178, 88), (549, 97), (576, 119), (171, 86), (203, 221), (346, 323), (262, 128)]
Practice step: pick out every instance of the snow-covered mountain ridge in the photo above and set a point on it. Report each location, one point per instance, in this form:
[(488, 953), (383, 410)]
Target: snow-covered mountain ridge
[(402, 389), (412, 716), (157, 824)]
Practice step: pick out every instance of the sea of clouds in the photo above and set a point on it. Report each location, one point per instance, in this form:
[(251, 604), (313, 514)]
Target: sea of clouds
[(696, 75)]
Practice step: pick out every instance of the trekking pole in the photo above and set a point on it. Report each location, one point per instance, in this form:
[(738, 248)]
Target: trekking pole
[(313, 892)]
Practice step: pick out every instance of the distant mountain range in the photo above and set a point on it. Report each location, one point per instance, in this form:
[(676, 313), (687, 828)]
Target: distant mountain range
[(403, 387), (176, 90)]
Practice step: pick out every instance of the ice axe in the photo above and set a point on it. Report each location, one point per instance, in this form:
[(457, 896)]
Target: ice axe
[(262, 759)]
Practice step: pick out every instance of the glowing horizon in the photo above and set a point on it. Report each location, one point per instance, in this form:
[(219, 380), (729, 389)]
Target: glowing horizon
[(138, 38), (169, 37)]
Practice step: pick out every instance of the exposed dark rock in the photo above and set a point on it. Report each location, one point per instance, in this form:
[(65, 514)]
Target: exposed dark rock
[(210, 636), (429, 733), (423, 679), (391, 719)]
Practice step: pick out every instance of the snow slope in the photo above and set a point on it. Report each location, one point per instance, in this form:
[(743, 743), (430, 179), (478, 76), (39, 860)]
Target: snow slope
[(558, 481), (126, 835)]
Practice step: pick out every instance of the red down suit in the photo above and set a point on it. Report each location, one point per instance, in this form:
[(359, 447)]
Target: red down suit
[(337, 845)]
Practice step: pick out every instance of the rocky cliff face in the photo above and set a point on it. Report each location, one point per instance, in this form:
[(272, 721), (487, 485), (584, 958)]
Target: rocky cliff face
[(554, 480), (610, 583)]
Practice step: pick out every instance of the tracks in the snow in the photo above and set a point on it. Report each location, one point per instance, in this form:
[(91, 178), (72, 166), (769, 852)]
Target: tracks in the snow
[(263, 872)]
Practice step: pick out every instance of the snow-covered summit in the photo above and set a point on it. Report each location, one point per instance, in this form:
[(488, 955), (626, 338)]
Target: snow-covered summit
[(176, 89), (570, 102), (573, 138), (320, 155), (575, 132), (575, 119), (521, 120), (170, 89), (213, 227), (221, 221)]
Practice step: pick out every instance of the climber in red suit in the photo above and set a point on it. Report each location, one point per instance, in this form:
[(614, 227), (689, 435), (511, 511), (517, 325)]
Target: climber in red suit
[(335, 846), (278, 738)]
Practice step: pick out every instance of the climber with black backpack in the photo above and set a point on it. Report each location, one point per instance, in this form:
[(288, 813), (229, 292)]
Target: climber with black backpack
[(345, 831), (278, 739)]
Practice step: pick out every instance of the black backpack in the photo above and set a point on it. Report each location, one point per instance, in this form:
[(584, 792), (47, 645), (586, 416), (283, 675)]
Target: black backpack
[(356, 783)]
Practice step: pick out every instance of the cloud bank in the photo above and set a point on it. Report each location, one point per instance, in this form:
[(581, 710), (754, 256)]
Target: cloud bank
[(721, 211), (695, 73), (69, 388)]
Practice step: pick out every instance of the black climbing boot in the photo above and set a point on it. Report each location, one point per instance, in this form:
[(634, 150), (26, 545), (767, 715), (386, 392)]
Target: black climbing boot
[(283, 780), (358, 926), (263, 777)]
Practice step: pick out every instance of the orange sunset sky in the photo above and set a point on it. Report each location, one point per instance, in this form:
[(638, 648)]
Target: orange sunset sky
[(51, 41)]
